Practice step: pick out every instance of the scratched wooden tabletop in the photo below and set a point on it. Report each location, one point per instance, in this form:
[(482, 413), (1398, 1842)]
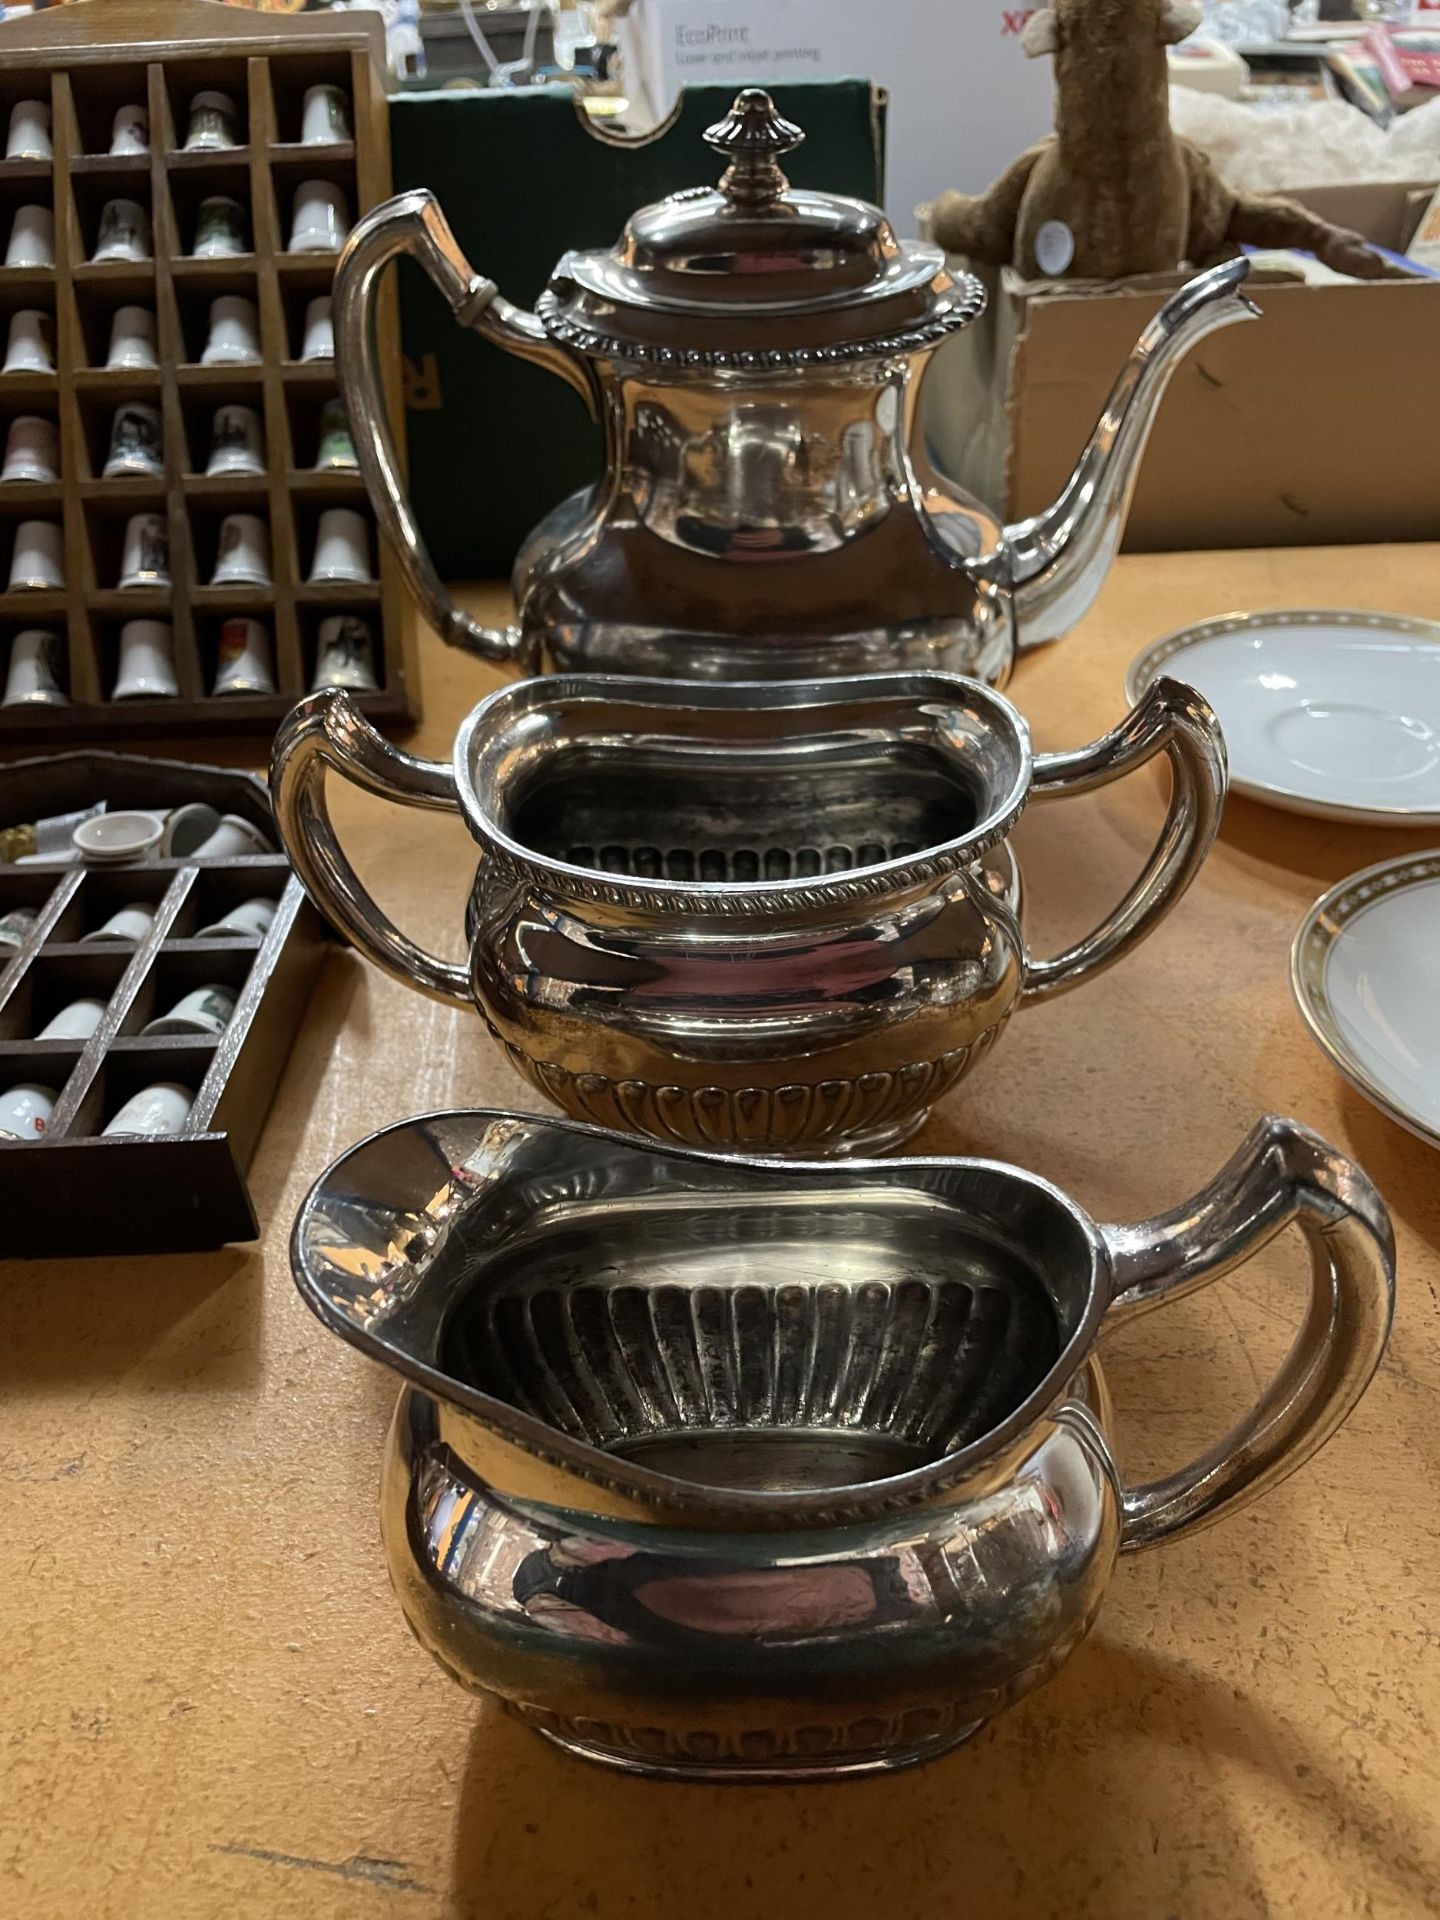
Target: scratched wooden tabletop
[(211, 1706)]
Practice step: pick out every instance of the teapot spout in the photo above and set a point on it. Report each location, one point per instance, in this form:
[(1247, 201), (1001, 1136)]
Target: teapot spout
[(1057, 561)]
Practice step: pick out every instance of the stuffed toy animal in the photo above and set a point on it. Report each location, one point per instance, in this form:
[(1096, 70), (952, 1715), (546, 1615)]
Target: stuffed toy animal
[(1114, 191)]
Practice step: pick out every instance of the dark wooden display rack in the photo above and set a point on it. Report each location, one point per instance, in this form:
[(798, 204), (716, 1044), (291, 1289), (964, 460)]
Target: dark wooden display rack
[(74, 1192), (90, 58)]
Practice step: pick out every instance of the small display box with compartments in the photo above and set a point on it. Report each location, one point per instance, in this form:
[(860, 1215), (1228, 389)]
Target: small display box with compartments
[(185, 540), (147, 1009)]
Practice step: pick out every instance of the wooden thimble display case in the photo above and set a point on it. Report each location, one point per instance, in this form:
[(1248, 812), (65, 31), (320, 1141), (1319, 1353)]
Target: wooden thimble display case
[(198, 258), (187, 926)]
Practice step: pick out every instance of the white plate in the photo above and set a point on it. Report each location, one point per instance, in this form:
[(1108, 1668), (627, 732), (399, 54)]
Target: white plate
[(1324, 712), (1365, 967)]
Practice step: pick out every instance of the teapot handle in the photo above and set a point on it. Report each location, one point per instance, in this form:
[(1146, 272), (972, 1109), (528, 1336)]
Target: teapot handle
[(1281, 1173), (412, 223), (327, 730), (1172, 719)]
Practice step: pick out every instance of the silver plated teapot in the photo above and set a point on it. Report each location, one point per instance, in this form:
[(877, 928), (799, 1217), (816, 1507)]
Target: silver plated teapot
[(734, 1469), (754, 354), (769, 916)]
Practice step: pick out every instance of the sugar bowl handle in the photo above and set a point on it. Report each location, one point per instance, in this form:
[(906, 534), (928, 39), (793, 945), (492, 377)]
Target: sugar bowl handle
[(413, 224), (327, 730), (1282, 1173), (1172, 719)]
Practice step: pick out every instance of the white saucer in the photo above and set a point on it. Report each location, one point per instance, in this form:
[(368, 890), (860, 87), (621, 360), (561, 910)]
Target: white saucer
[(1324, 712), (1365, 968)]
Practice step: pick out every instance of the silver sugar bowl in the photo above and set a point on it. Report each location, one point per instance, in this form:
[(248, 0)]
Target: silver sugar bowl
[(775, 917), (754, 352), (739, 1470)]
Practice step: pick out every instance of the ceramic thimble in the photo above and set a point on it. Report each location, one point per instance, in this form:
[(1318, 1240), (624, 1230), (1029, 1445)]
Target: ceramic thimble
[(237, 441), (161, 1108), (234, 338), (146, 561), (325, 117), (186, 828), (342, 546), (34, 675), (29, 134), (337, 448), (243, 556), (245, 659), (37, 562), (214, 122), (32, 450), (345, 656), (31, 344), (129, 923), (77, 1021), (32, 238), (137, 442), (132, 339), (233, 839), (124, 231), (249, 920), (318, 340), (147, 662), (15, 928), (207, 1009), (220, 229), (322, 218), (26, 1111), (131, 131)]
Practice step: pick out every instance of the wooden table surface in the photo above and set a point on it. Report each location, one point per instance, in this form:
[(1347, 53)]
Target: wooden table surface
[(211, 1705)]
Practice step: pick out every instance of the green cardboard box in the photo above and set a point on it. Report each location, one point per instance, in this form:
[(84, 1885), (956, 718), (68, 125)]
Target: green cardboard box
[(494, 443)]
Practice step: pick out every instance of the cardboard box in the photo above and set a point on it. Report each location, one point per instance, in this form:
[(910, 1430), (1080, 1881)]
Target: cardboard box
[(1319, 423)]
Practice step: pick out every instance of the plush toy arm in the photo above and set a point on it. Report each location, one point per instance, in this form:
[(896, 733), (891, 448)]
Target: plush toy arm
[(1259, 221), (1222, 220), (982, 226)]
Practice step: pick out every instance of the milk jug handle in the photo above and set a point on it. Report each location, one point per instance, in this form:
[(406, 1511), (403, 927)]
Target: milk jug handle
[(1282, 1173), (1172, 719), (327, 730)]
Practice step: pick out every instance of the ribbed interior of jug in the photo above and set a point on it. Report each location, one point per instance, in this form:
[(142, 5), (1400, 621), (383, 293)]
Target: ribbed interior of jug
[(780, 1347)]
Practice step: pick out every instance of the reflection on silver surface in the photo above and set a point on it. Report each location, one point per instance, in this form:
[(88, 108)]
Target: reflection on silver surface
[(724, 1468), (753, 916), (754, 353)]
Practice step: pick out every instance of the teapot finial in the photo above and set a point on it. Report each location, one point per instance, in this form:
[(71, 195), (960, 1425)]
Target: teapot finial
[(751, 136)]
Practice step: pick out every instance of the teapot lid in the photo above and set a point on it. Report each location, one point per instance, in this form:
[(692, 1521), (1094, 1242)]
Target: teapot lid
[(755, 273)]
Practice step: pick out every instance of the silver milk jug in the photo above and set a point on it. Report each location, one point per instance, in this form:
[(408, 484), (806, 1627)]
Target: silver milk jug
[(741, 1470)]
